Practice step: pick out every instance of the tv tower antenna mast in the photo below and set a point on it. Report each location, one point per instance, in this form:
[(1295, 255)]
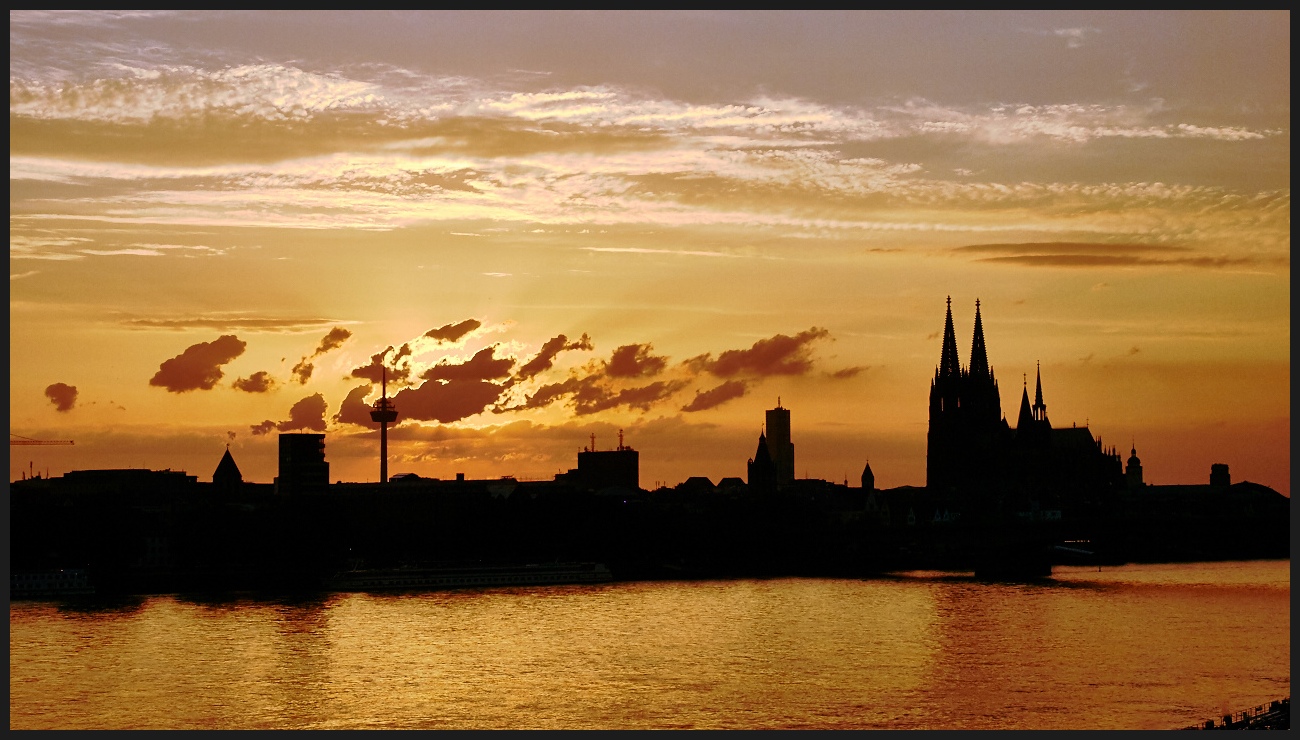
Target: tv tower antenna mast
[(385, 413)]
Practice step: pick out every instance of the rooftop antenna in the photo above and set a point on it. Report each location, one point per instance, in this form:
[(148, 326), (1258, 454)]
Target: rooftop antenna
[(385, 413), (593, 441), (620, 439)]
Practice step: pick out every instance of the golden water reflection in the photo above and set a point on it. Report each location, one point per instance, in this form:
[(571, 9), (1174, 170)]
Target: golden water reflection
[(1140, 647)]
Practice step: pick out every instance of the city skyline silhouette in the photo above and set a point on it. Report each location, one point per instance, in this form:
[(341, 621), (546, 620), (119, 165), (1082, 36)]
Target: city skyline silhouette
[(649, 369), (214, 241)]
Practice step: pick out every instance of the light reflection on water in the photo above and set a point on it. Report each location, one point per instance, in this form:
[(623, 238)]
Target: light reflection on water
[(1132, 647)]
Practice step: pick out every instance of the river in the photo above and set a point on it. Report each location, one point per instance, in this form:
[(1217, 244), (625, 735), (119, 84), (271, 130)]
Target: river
[(1135, 646)]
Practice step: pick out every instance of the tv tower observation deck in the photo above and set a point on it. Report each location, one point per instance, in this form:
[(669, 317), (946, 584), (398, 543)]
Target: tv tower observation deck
[(385, 413)]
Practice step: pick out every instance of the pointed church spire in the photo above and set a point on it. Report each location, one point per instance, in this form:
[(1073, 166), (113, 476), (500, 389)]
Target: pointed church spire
[(1040, 408), (1026, 417), (948, 362), (227, 472), (979, 358)]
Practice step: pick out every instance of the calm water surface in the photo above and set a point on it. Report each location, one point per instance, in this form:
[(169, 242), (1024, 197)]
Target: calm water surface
[(1139, 646)]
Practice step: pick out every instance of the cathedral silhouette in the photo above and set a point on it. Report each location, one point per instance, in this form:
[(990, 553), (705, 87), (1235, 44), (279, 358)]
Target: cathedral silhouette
[(973, 453)]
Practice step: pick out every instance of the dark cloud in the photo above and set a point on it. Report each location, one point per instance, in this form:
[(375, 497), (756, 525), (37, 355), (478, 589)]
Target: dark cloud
[(62, 395), (199, 366), (302, 371), (230, 436), (698, 363), (1071, 248), (548, 394), (396, 372), (335, 339), (716, 396), (1103, 260), (546, 357), (258, 382), (591, 395), (593, 398), (634, 361), (453, 332), (354, 409), (482, 366), (309, 414), (848, 372), (779, 355), (446, 401)]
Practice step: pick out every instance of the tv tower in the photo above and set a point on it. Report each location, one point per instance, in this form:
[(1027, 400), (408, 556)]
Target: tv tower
[(385, 413)]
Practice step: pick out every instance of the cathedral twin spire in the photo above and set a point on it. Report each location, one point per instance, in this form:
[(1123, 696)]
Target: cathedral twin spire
[(949, 363), (979, 357)]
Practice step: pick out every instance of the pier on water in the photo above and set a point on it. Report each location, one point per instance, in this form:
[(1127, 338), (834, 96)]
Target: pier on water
[(1273, 716)]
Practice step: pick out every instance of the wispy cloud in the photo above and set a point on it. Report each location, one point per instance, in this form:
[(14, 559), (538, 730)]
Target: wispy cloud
[(1075, 37), (230, 323), (640, 250), (1086, 254)]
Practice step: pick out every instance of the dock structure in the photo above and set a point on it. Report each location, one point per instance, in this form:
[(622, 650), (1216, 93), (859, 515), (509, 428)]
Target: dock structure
[(1272, 716)]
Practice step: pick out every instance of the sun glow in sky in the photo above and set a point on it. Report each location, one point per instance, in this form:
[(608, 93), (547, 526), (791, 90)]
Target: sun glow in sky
[(565, 224)]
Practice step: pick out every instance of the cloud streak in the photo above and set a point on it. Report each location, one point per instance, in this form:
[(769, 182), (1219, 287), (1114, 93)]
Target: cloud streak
[(716, 396), (545, 358), (778, 355), (1085, 255), (453, 332), (334, 339)]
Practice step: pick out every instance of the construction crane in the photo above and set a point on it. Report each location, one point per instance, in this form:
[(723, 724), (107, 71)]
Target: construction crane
[(18, 439)]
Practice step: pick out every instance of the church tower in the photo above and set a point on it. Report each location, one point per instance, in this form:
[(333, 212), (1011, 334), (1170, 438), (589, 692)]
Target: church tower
[(226, 477), (1133, 470), (966, 424), (778, 442), (762, 471)]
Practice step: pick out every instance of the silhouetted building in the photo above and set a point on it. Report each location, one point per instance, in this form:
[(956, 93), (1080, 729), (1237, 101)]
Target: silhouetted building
[(697, 484), (779, 444), (226, 477), (868, 478), (762, 471), (967, 430), (130, 484), (1219, 475), (599, 469), (731, 484), (1133, 470), (973, 451), (302, 465)]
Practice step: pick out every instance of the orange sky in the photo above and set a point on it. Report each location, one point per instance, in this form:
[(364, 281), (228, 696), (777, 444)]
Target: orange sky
[(575, 223)]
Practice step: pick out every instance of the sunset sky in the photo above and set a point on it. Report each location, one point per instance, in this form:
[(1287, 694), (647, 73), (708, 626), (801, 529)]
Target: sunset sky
[(565, 224)]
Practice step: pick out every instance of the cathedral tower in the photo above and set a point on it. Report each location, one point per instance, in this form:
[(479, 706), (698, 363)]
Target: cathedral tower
[(966, 424)]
